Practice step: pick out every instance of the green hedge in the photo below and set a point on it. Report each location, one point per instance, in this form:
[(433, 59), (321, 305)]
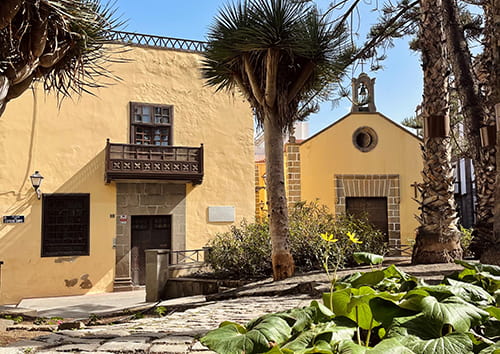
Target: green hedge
[(244, 252)]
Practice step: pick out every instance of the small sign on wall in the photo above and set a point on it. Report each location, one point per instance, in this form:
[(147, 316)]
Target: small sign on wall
[(123, 219), (221, 214), (13, 219)]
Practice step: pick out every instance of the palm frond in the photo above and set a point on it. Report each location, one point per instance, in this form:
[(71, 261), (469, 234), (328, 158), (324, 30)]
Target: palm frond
[(62, 43)]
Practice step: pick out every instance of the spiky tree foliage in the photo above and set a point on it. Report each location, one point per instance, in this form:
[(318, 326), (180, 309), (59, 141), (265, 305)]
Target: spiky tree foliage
[(280, 54), (58, 42), (438, 238)]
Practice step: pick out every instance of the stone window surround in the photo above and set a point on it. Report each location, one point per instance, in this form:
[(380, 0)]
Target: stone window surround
[(386, 185)]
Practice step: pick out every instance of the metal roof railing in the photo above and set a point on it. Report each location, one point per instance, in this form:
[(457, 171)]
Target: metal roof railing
[(146, 40)]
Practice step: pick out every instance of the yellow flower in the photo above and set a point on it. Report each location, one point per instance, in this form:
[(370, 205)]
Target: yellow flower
[(353, 238), (328, 237)]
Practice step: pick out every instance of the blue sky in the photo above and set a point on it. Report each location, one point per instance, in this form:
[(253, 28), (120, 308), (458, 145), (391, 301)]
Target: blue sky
[(398, 87)]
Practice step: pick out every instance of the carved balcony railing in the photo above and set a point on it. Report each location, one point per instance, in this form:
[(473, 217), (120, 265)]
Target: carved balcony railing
[(175, 163)]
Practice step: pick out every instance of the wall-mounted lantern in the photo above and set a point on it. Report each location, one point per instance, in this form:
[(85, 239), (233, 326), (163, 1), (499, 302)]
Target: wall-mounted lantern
[(36, 181)]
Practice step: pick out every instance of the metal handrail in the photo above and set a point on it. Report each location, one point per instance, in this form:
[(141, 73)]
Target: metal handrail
[(147, 40), (187, 256)]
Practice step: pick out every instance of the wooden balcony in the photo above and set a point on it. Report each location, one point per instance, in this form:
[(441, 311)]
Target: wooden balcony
[(169, 163)]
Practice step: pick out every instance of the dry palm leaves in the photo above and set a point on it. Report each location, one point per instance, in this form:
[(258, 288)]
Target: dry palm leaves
[(59, 42)]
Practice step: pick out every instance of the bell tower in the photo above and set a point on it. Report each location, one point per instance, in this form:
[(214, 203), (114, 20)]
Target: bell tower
[(363, 95)]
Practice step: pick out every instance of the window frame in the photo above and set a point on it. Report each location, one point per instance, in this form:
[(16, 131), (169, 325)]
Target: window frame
[(153, 125), (86, 207)]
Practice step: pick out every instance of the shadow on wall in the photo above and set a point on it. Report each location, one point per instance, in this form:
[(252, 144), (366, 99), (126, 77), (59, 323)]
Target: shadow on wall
[(26, 274)]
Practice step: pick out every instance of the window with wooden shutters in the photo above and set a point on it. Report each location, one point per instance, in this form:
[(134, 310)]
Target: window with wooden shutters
[(65, 225), (151, 124)]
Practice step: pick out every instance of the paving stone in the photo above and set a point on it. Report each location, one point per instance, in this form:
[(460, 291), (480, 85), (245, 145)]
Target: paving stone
[(152, 335), (11, 351), (77, 347), (53, 339), (104, 333), (77, 340), (27, 344), (172, 339), (132, 339), (5, 323), (169, 349), (124, 347), (198, 347)]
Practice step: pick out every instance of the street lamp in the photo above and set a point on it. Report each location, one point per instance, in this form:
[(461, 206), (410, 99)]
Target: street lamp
[(36, 181)]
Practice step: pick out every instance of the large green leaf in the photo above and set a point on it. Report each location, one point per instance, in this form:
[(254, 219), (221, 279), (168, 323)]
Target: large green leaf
[(492, 269), (320, 347), (228, 339), (417, 325), (470, 293), (275, 329), (493, 311), (322, 313), (233, 338), (493, 349), (349, 347), (367, 258), (327, 332), (454, 343), (390, 346), (369, 279), (394, 272), (453, 311), (354, 304), (384, 311)]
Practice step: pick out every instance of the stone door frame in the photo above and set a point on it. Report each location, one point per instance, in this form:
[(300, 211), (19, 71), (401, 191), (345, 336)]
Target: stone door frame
[(372, 186)]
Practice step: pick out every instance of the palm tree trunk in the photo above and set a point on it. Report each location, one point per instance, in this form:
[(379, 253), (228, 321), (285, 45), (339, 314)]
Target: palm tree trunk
[(492, 28), (477, 112), (283, 265), (438, 238)]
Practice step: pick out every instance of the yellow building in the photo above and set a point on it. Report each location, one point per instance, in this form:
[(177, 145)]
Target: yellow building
[(177, 168), (364, 163)]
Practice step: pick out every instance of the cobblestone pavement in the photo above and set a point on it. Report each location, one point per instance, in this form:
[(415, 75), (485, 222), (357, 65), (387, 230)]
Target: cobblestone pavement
[(174, 333)]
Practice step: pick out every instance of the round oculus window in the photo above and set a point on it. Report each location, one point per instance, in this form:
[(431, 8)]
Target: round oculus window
[(364, 139)]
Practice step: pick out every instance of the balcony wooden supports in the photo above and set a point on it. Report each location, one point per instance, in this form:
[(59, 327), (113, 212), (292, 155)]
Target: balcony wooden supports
[(172, 163)]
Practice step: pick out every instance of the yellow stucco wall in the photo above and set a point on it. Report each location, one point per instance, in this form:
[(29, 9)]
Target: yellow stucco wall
[(332, 152), (66, 145)]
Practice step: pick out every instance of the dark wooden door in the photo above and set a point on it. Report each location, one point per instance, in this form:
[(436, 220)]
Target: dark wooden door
[(374, 208), (148, 232)]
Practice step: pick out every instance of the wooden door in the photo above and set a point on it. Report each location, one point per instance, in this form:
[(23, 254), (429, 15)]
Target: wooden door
[(148, 232), (374, 208)]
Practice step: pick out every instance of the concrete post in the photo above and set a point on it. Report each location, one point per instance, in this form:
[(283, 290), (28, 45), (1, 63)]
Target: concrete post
[(157, 273)]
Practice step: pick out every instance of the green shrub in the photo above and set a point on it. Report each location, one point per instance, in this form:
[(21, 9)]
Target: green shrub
[(466, 240), (244, 252)]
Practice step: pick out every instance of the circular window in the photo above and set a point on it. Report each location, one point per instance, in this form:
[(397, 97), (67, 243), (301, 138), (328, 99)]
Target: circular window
[(364, 139)]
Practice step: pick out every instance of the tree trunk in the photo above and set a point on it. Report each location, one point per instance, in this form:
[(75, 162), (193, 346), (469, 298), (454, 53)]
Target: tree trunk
[(492, 29), (492, 254), (477, 112), (283, 264), (438, 238)]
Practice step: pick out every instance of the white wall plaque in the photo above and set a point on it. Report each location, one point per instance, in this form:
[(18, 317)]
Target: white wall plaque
[(221, 214)]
